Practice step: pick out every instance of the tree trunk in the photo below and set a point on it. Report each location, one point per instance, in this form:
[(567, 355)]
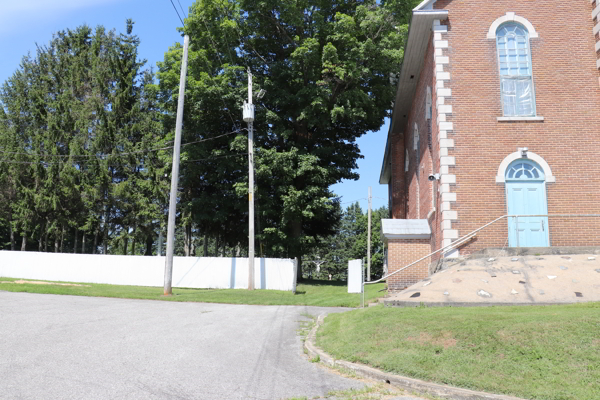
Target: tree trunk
[(62, 238), (217, 246), (257, 216), (187, 240), (24, 242), (105, 231), (149, 243), (46, 235), (12, 238), (94, 249), (297, 249), (125, 243), (75, 240), (133, 241), (83, 243), (41, 239), (56, 244), (159, 245), (205, 250)]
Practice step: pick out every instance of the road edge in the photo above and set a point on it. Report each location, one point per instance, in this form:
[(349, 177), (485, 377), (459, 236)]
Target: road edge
[(410, 384)]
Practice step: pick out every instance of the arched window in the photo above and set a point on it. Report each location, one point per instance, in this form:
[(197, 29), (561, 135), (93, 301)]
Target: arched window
[(524, 170), (428, 106), (514, 63), (416, 138)]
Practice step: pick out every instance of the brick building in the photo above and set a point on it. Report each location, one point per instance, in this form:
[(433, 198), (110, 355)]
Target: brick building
[(497, 113)]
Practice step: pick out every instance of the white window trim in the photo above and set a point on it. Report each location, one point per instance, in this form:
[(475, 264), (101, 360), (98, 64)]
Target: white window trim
[(500, 176), (513, 119), (428, 104), (416, 138), (510, 16)]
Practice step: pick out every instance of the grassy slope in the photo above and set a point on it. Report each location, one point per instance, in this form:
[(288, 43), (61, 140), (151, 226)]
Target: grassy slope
[(534, 352), (310, 293)]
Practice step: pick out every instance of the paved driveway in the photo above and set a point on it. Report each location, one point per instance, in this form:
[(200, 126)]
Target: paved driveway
[(66, 347)]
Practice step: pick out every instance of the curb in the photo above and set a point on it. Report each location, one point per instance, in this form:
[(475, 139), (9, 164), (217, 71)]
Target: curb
[(411, 384)]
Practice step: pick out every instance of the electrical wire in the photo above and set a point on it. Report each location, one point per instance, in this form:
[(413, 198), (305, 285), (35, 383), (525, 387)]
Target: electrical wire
[(215, 157), (353, 201), (183, 12), (46, 163), (102, 156), (177, 12)]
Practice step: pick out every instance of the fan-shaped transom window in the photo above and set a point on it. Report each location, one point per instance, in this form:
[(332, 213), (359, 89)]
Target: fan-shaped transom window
[(521, 170), (514, 63)]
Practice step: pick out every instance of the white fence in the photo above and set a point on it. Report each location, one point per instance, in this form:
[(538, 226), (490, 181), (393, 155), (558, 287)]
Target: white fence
[(189, 272)]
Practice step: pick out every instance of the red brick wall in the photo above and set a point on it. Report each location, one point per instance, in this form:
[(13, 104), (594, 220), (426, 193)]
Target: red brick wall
[(402, 252), (397, 185), (420, 189), (567, 95)]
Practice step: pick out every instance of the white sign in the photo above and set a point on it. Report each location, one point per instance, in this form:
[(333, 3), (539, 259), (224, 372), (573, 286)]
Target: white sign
[(355, 276)]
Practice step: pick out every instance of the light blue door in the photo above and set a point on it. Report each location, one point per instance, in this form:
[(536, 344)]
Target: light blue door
[(526, 195)]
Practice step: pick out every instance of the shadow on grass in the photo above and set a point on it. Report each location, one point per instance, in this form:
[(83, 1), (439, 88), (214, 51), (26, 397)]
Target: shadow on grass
[(322, 282)]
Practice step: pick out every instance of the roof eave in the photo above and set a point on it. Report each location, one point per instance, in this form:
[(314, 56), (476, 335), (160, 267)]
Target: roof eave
[(414, 58)]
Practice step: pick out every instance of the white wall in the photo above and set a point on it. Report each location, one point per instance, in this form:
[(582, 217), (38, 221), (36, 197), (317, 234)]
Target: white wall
[(190, 272)]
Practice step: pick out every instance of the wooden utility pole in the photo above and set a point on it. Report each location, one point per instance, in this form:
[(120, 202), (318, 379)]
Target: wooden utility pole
[(175, 173), (369, 241), (248, 114)]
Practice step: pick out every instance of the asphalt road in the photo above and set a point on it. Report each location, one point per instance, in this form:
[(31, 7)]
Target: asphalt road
[(66, 347)]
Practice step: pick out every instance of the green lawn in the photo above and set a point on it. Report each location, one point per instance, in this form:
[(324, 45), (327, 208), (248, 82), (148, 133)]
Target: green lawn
[(533, 352), (309, 293)]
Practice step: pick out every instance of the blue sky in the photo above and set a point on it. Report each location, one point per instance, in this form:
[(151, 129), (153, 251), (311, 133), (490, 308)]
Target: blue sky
[(23, 23)]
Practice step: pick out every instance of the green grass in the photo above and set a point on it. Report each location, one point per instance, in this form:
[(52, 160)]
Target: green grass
[(533, 352), (308, 293)]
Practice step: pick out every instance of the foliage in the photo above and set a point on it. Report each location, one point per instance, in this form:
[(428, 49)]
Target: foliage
[(328, 70), (349, 243), (78, 120), (532, 352)]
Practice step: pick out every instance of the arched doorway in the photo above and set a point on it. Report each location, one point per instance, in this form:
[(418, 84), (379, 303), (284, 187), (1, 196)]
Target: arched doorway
[(526, 195)]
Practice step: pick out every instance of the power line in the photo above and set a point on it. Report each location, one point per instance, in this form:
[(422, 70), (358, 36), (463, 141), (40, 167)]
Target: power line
[(215, 157), (353, 201), (44, 163), (102, 156), (175, 8), (183, 12)]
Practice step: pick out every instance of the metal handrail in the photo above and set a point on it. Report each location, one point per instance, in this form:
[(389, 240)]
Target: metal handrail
[(467, 237)]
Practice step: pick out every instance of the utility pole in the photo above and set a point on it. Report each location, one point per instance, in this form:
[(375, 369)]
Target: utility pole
[(175, 173), (369, 241), (248, 114)]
